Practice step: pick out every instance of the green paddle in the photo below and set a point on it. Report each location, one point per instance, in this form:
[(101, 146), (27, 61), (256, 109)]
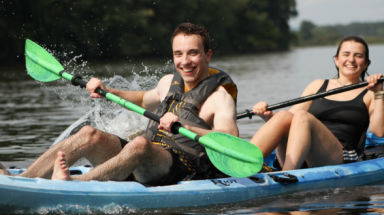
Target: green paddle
[(231, 155)]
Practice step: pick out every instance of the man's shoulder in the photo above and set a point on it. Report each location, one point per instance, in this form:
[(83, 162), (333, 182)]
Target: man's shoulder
[(165, 81), (221, 89), (219, 94), (163, 86)]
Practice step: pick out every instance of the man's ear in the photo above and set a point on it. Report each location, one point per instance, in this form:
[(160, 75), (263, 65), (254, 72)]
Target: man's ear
[(208, 55)]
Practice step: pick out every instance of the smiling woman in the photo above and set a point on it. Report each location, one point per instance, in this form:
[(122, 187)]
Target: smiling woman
[(322, 132)]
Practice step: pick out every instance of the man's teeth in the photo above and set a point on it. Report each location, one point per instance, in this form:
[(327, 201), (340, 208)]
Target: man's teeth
[(188, 70)]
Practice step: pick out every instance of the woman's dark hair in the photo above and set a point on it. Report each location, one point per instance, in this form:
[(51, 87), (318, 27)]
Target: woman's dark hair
[(358, 40)]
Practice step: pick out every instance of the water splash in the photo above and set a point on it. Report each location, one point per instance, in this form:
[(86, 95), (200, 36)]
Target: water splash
[(102, 113)]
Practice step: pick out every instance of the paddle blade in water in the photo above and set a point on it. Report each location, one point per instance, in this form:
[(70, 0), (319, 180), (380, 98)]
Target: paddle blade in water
[(232, 155), (40, 64)]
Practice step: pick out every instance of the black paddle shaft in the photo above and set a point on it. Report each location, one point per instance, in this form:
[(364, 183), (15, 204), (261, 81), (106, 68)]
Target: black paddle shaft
[(291, 102)]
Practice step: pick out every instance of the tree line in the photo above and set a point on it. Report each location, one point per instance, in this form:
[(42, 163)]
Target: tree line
[(312, 35), (126, 28)]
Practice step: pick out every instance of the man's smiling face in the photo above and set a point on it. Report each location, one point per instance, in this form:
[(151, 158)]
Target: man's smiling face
[(190, 59)]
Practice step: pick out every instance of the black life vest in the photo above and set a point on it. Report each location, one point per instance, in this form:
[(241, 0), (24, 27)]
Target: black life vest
[(186, 106)]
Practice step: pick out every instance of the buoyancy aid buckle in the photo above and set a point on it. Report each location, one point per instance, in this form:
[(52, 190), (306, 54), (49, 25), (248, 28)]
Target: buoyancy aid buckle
[(156, 139), (177, 97)]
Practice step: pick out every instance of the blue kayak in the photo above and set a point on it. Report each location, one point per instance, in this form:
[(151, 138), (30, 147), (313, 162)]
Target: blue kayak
[(34, 195)]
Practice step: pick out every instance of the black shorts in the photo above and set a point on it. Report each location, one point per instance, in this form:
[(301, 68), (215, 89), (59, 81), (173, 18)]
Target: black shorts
[(123, 142), (177, 172), (180, 172)]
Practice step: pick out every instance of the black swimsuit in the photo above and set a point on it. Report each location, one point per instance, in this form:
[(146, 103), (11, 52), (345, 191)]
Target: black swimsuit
[(347, 120)]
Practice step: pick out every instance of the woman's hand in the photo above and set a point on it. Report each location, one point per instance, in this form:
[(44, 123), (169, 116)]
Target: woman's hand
[(260, 109), (373, 84)]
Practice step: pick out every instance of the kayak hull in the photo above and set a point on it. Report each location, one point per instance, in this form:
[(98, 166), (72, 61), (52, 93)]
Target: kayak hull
[(41, 194)]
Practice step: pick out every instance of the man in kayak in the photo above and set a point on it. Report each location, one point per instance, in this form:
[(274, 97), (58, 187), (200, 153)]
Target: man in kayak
[(202, 99)]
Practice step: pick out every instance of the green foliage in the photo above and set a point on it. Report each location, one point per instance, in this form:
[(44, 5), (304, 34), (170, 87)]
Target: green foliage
[(312, 35), (125, 28), (375, 29), (306, 30)]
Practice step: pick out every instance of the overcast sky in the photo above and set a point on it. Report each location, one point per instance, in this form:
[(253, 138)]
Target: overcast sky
[(331, 12)]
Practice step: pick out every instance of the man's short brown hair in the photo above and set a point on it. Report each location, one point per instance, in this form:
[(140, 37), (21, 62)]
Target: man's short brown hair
[(190, 29)]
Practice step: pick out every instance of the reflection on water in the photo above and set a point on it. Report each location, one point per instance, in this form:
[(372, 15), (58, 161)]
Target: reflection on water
[(352, 200), (33, 115)]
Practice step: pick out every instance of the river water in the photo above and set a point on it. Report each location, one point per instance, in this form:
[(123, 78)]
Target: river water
[(33, 114)]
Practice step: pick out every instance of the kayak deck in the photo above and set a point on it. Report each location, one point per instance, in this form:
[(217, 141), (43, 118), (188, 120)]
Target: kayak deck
[(31, 193), (37, 194)]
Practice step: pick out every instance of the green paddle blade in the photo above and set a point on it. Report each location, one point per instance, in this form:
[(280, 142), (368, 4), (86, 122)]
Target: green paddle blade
[(232, 155), (41, 65)]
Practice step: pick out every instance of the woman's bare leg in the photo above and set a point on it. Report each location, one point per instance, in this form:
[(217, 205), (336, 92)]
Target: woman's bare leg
[(270, 135), (309, 139), (281, 150)]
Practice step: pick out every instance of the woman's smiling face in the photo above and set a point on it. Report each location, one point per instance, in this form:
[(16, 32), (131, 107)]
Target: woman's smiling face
[(351, 59)]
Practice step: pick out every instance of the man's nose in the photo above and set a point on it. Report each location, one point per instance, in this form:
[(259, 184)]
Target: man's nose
[(186, 59)]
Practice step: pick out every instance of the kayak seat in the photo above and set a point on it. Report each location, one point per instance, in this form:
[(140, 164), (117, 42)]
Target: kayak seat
[(373, 152)]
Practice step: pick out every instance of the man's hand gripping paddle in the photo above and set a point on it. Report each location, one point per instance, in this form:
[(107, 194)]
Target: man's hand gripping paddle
[(231, 155)]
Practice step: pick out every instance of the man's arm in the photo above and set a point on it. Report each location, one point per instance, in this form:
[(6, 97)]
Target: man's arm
[(145, 99), (224, 119)]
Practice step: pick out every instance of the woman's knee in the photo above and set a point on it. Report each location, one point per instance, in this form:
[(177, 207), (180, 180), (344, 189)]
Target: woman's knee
[(283, 118), (301, 116)]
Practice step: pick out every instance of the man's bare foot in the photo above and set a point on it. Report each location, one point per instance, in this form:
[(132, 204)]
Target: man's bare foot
[(60, 170), (3, 170)]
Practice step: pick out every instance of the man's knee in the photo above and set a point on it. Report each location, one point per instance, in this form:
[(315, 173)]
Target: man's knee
[(140, 146), (89, 135)]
